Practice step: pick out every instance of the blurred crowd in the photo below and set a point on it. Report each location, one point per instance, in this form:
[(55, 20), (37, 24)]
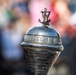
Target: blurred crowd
[(17, 16)]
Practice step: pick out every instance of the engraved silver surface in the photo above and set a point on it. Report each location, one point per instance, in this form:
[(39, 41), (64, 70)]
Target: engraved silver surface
[(41, 39), (43, 46)]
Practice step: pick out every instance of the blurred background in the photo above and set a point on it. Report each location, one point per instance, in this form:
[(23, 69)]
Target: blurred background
[(17, 16)]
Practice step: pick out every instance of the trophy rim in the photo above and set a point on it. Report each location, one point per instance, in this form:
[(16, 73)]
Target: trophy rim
[(43, 46)]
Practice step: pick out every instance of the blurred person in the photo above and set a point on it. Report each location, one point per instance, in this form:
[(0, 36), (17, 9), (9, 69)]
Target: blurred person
[(11, 52), (20, 10), (72, 44), (35, 7), (63, 18), (10, 41), (4, 4), (60, 16), (4, 20)]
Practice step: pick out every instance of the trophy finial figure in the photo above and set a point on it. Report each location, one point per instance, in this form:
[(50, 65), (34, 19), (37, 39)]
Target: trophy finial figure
[(45, 15)]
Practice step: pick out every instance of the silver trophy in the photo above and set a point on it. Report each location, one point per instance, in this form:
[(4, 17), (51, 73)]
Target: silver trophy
[(43, 45)]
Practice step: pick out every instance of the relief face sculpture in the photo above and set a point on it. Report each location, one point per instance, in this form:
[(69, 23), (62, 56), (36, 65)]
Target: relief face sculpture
[(43, 45)]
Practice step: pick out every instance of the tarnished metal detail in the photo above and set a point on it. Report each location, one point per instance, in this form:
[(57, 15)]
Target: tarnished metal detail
[(42, 39)]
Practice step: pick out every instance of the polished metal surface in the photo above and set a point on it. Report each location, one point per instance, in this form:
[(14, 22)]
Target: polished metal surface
[(43, 45), (42, 36)]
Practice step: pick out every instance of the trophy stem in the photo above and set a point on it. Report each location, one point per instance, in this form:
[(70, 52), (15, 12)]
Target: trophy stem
[(41, 60)]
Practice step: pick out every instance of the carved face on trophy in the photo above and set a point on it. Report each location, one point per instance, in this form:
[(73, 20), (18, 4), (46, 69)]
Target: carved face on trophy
[(43, 45)]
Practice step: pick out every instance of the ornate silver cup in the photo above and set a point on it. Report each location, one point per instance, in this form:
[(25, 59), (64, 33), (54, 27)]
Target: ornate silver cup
[(43, 45)]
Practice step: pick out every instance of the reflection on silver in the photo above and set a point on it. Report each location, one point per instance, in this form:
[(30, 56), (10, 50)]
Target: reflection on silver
[(43, 46)]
